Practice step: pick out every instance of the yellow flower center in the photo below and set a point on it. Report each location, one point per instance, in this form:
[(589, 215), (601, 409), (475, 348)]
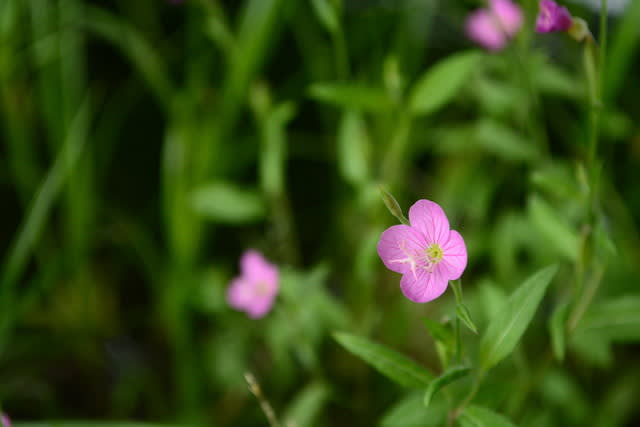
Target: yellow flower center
[(434, 253)]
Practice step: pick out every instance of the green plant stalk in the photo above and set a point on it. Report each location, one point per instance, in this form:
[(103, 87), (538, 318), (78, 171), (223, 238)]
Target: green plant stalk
[(594, 62)]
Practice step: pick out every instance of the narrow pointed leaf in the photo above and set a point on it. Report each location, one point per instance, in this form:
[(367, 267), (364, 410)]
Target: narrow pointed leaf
[(307, 405), (440, 83), (504, 330), (616, 320), (557, 330), (447, 377), (439, 332), (463, 314), (479, 416), (393, 365)]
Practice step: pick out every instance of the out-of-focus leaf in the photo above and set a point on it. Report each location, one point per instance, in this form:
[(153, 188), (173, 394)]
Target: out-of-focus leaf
[(326, 13), (132, 44), (478, 416), (411, 412), (552, 80), (617, 319), (504, 331), (439, 84), (504, 142), (450, 375), (353, 149), (560, 390), (274, 148), (557, 180), (352, 96), (306, 405), (548, 223), (592, 348), (395, 366), (557, 330), (625, 40), (493, 299), (228, 203)]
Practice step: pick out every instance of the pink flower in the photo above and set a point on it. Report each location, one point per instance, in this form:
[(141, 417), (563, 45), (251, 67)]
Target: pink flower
[(257, 286), (426, 253), (5, 421), (552, 17), (494, 26)]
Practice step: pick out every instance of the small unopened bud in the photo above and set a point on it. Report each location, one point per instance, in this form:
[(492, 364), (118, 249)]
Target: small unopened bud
[(392, 204), (579, 30)]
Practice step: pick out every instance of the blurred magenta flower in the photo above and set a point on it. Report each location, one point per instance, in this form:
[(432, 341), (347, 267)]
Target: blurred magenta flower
[(427, 253), (552, 17), (5, 421), (493, 27), (255, 290)]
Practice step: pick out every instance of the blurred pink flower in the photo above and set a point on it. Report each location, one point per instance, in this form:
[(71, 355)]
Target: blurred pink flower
[(255, 290), (5, 421), (493, 27), (427, 253), (552, 17)]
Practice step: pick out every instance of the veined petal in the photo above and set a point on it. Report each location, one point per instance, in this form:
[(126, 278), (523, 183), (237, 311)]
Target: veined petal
[(429, 218), (399, 247), (424, 286), (454, 260)]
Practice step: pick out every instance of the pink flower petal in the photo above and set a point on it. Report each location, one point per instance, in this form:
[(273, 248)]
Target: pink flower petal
[(424, 287), (482, 28), (509, 15), (399, 247), (454, 260), (259, 307), (429, 218), (256, 268), (240, 293)]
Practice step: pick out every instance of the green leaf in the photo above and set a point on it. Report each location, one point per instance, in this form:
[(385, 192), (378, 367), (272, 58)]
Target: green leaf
[(450, 375), (558, 234), (439, 332), (557, 330), (616, 320), (353, 148), (395, 366), (307, 405), (504, 142), (411, 412), (504, 331), (461, 310), (439, 84), (463, 314), (352, 96), (479, 416), (226, 202), (326, 13)]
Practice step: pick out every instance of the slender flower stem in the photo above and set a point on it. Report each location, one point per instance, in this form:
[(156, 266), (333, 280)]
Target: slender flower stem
[(255, 389)]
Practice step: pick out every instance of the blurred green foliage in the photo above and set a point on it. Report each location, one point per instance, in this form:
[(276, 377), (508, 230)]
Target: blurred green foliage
[(145, 144)]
